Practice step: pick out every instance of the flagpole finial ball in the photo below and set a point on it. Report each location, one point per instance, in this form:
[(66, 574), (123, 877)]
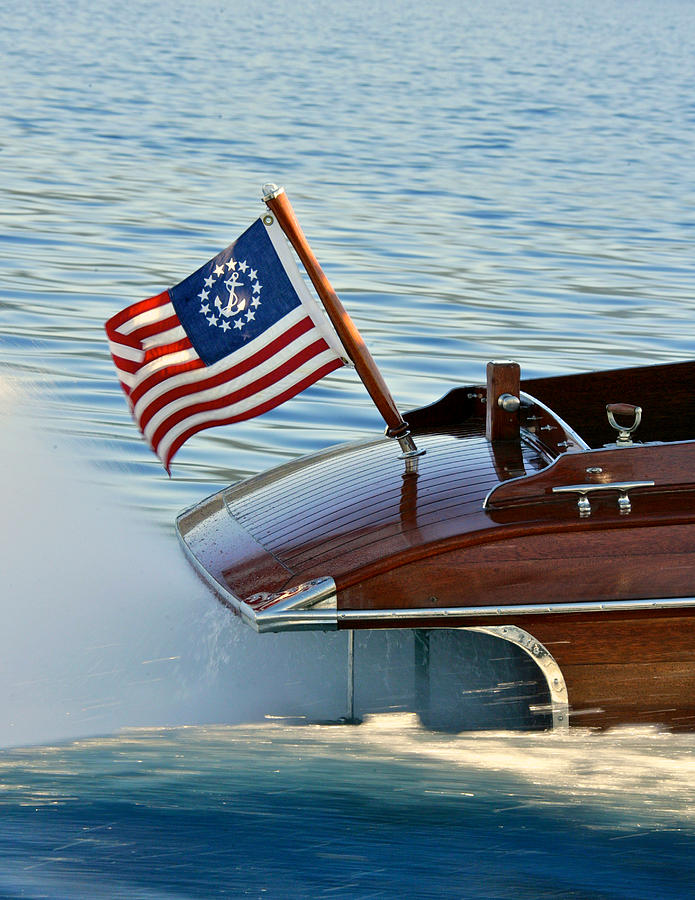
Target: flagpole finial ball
[(270, 191)]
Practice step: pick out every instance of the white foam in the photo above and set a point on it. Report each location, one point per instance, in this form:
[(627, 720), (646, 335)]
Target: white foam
[(105, 626)]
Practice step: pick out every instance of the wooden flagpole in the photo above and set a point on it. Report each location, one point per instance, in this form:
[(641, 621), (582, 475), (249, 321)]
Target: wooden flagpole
[(396, 427)]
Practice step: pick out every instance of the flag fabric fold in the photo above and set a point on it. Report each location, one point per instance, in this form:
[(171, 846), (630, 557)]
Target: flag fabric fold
[(233, 340)]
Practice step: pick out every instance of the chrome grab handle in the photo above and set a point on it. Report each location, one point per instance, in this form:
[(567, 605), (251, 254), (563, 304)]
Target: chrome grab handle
[(624, 409), (622, 487)]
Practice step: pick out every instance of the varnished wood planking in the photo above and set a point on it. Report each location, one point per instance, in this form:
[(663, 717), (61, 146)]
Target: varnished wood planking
[(600, 639), (315, 498), (224, 549), (610, 564), (323, 515), (633, 669)]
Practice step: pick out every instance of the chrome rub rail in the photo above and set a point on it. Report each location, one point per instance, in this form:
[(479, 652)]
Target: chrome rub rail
[(345, 616), (313, 607), (330, 618)]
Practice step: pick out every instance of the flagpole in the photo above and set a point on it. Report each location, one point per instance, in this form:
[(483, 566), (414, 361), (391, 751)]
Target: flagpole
[(277, 202)]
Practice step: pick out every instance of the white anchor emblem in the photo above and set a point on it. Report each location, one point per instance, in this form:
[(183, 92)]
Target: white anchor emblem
[(237, 307), (235, 304)]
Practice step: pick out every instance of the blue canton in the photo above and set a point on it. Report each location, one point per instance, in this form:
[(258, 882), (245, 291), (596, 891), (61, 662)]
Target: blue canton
[(235, 297)]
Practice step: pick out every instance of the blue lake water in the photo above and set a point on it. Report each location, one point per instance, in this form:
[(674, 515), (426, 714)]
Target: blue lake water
[(479, 180)]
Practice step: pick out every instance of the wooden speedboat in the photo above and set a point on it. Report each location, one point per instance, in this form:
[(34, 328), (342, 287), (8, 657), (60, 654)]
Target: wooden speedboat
[(542, 514), (532, 516)]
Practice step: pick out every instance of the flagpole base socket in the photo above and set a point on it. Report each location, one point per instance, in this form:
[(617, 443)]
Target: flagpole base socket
[(407, 444)]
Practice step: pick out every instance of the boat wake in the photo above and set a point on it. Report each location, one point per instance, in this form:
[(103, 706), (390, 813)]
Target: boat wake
[(643, 774), (105, 626)]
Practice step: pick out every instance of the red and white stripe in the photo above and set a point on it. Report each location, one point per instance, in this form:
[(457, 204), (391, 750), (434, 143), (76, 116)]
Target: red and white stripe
[(173, 394)]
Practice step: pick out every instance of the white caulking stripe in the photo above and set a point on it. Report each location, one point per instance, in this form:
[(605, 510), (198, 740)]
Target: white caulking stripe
[(214, 393), (255, 400)]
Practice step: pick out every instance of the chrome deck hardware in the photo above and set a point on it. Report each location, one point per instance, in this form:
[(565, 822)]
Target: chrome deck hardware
[(624, 431), (509, 403), (583, 502)]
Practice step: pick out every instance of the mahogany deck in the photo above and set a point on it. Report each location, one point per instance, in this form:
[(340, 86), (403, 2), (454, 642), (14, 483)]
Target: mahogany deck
[(343, 513)]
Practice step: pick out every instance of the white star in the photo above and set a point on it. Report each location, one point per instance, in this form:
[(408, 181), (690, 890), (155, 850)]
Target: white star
[(255, 302), (225, 326), (257, 288), (219, 270), (253, 274), (239, 324), (209, 281), (250, 315), (212, 319), (204, 294), (231, 264), (205, 308), (243, 266)]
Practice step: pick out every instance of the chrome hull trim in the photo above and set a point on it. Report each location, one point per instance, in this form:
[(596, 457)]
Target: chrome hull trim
[(441, 614), (545, 661), (302, 617), (303, 620)]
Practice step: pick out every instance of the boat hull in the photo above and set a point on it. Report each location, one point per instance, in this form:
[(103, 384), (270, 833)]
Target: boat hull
[(587, 550)]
